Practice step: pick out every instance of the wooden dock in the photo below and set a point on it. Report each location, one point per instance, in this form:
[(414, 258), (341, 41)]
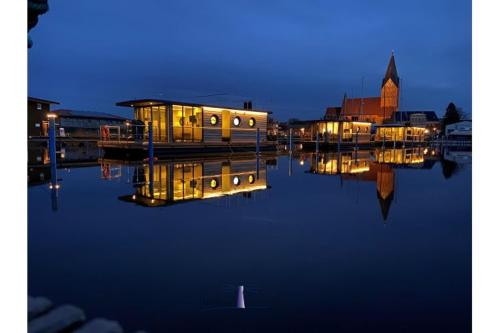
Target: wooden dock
[(44, 317)]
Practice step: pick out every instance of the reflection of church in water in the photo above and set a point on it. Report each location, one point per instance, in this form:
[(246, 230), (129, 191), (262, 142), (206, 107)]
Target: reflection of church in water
[(370, 166)]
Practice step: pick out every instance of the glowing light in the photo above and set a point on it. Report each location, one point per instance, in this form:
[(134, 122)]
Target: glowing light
[(51, 115), (214, 120), (426, 151), (301, 162), (133, 197), (236, 121), (251, 122), (213, 183), (236, 180), (251, 179)]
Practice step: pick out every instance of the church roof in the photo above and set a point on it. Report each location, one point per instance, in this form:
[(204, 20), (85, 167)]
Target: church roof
[(391, 72), (362, 106)]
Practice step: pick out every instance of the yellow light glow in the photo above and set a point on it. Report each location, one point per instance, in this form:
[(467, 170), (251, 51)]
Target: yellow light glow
[(213, 183), (251, 179), (251, 122), (213, 120), (301, 162), (51, 115)]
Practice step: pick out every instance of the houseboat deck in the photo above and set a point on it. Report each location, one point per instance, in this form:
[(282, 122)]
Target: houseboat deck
[(164, 149)]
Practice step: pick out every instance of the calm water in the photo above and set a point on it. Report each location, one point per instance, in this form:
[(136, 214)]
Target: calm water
[(365, 241)]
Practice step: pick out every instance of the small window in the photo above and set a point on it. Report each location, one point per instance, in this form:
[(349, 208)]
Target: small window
[(251, 179), (236, 121), (236, 180), (214, 183), (251, 122), (214, 120)]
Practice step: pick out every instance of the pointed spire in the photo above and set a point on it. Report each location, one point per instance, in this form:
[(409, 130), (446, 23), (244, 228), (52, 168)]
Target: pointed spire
[(391, 72), (385, 204)]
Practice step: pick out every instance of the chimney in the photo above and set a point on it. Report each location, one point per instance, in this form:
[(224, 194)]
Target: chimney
[(247, 105)]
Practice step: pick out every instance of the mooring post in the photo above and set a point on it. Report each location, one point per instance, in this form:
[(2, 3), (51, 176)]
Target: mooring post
[(257, 152), (317, 142), (151, 159), (290, 140), (52, 146), (150, 140), (53, 161)]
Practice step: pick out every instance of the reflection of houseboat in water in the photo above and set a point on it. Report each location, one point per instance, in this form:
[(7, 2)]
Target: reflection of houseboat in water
[(167, 183)]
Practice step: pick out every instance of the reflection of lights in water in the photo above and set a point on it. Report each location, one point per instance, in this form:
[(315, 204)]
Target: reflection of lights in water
[(133, 197), (433, 153), (236, 180), (301, 162), (213, 183), (251, 179), (426, 151)]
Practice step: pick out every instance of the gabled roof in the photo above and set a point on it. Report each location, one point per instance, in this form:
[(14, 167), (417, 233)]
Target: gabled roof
[(391, 72), (86, 114), (155, 102)]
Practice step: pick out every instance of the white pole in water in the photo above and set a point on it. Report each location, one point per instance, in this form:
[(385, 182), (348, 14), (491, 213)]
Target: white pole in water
[(290, 140), (240, 300)]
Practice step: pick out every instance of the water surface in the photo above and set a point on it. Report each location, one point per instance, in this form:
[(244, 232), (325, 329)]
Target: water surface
[(361, 241)]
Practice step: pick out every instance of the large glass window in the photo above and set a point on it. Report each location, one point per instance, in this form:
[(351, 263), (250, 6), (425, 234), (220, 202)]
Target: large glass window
[(187, 123), (158, 116)]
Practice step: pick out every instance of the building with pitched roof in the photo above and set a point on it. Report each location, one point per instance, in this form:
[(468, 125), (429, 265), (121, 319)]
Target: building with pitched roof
[(375, 109)]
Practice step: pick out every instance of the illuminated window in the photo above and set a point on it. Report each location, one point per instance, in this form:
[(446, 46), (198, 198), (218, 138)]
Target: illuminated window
[(251, 122), (38, 106), (214, 120), (236, 121), (214, 183), (236, 180), (251, 179)]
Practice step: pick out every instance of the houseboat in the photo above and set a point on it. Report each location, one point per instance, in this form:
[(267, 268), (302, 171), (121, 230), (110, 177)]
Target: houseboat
[(399, 133), (170, 182), (188, 127), (330, 133)]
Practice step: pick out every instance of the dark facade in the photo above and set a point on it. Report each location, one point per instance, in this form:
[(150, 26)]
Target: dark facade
[(37, 116)]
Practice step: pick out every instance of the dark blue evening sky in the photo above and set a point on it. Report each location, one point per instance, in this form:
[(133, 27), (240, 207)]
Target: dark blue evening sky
[(292, 57)]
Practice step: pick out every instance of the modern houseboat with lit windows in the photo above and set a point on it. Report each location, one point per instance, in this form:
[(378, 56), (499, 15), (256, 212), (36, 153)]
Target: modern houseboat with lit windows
[(188, 127)]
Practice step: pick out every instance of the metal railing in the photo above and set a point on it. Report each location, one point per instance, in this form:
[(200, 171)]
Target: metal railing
[(182, 134)]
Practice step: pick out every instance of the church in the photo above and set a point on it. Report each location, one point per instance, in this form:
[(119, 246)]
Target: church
[(371, 109)]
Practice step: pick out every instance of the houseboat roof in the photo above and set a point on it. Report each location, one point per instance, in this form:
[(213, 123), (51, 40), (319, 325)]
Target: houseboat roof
[(41, 100), (153, 102), (86, 114)]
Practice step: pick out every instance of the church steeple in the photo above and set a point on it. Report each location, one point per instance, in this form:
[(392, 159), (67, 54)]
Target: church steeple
[(391, 72), (389, 93)]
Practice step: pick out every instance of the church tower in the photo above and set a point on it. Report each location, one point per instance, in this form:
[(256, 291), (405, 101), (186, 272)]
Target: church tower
[(389, 94)]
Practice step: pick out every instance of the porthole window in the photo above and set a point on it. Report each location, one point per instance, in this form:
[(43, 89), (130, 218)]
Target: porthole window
[(214, 183), (251, 179), (236, 121), (236, 180), (214, 120), (251, 122)]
